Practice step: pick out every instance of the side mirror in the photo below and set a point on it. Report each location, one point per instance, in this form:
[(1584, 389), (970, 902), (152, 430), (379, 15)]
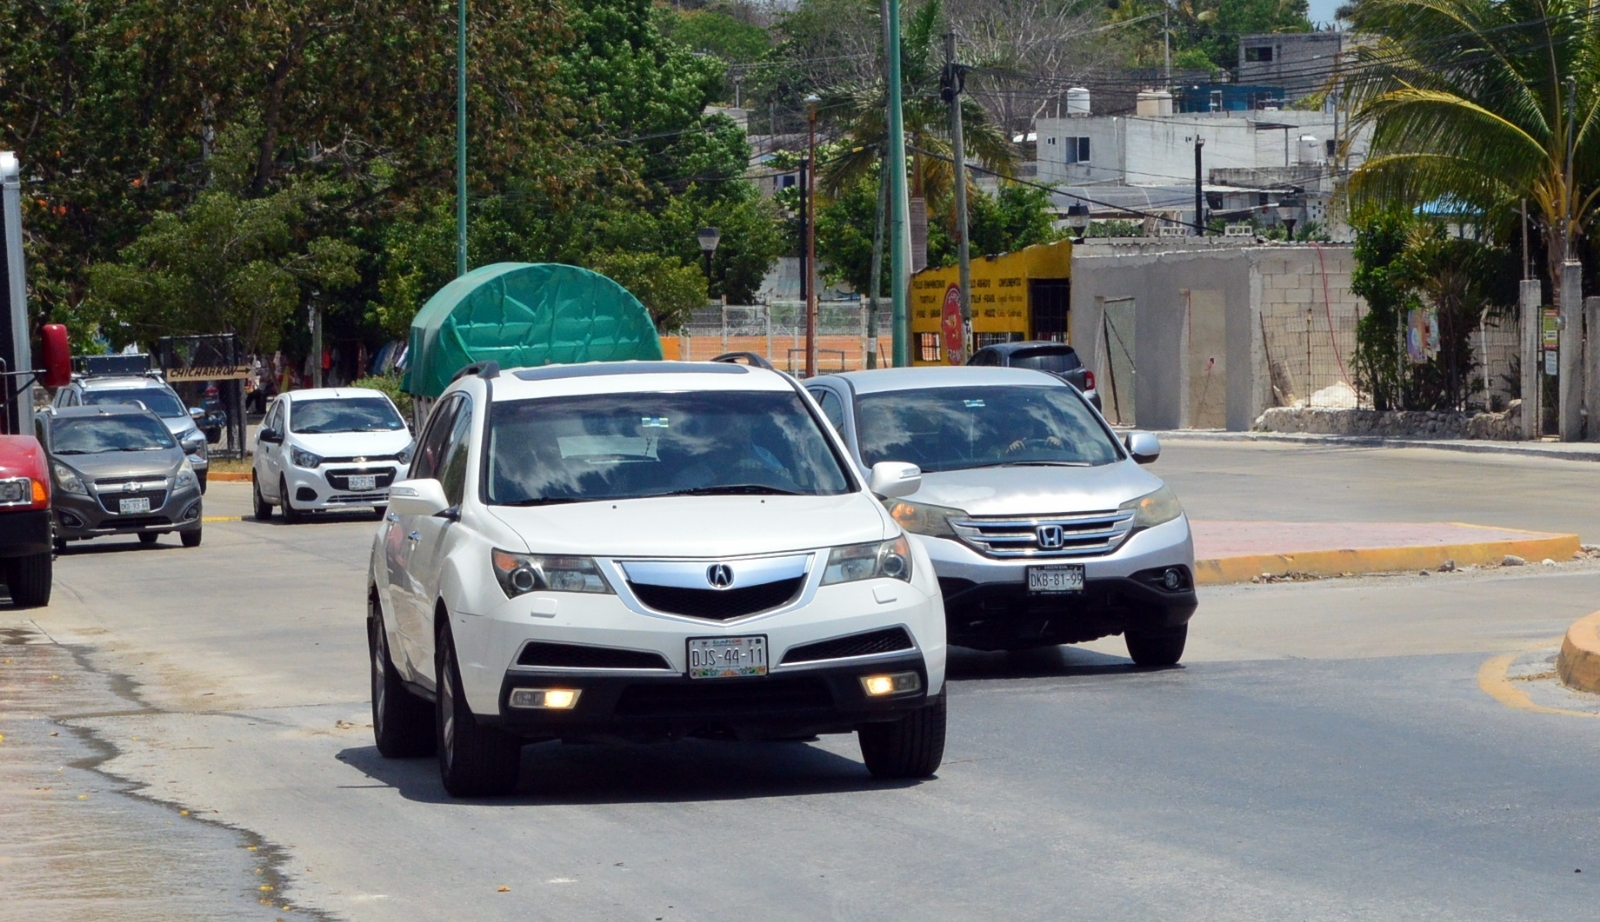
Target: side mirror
[(418, 497), (55, 353), (271, 436), (1143, 446), (892, 479), (196, 413)]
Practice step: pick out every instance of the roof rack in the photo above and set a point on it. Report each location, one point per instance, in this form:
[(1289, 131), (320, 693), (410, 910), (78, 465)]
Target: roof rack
[(488, 370)]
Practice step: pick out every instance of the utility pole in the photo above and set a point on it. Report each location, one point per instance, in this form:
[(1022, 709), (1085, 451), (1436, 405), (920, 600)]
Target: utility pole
[(877, 269), (899, 204), (805, 237), (1569, 357), (954, 80), (461, 140), (1166, 41), (1199, 195), (811, 236)]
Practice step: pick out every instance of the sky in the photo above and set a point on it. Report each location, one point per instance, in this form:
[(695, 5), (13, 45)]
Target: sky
[(1322, 10)]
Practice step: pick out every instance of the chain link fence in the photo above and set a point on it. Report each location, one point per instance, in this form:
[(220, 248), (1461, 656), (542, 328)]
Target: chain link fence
[(777, 332)]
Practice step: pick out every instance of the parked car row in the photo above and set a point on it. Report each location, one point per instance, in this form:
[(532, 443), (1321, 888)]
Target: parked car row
[(652, 550)]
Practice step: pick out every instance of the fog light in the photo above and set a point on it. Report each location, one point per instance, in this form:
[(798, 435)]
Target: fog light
[(557, 699), (1172, 579), (897, 683)]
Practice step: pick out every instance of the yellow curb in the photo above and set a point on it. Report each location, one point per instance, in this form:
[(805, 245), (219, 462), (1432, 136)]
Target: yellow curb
[(1493, 680), (1578, 664), (228, 477), (223, 518), (1218, 571)]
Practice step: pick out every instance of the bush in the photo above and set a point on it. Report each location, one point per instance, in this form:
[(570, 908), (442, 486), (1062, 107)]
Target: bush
[(390, 386)]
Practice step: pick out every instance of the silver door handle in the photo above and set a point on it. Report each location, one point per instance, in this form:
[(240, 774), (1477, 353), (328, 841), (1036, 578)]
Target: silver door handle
[(414, 536)]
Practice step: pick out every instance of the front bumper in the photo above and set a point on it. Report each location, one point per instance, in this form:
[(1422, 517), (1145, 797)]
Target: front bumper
[(328, 486), (988, 605), (25, 533), (79, 516)]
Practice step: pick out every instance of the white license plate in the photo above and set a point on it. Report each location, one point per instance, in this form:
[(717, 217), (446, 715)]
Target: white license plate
[(1056, 579), (727, 657), (134, 505), (362, 482)]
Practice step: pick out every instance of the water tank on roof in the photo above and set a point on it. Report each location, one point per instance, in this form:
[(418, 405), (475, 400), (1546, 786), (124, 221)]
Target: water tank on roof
[(1310, 151), (1077, 101), (1153, 102)]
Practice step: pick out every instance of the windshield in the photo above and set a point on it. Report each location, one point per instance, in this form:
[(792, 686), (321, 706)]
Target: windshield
[(162, 403), (345, 414), (953, 428), (626, 446), (87, 435), (1046, 359)]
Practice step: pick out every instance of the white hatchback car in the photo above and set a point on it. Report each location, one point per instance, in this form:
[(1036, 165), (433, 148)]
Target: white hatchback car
[(328, 448), (646, 551)]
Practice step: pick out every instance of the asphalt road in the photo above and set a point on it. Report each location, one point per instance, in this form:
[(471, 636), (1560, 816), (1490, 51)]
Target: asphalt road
[(1325, 752)]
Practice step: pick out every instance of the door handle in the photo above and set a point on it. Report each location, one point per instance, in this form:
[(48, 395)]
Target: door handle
[(414, 536)]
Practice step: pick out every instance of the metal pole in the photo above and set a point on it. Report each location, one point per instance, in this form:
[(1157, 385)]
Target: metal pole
[(811, 247), (877, 270), (953, 88), (461, 139), (316, 343), (899, 204), (1199, 196), (1569, 354), (1530, 296), (1525, 269), (1166, 41)]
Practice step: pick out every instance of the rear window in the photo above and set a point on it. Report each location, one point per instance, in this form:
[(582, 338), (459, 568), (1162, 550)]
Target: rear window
[(1044, 359), (628, 446), (161, 402)]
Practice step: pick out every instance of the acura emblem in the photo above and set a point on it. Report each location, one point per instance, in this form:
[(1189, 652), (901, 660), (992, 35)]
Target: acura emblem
[(1051, 537), (719, 575)]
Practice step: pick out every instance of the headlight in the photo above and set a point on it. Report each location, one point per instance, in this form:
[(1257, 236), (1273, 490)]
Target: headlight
[(520, 573), (1154, 508), (185, 477), (877, 560), (923, 519), (21, 491), (404, 457), (67, 480), (302, 458)]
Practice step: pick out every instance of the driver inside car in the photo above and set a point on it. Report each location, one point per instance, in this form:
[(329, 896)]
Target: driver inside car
[(755, 464)]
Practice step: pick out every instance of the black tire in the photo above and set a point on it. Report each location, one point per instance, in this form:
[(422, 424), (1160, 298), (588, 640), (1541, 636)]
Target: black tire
[(201, 476), (378, 511), (402, 723), (290, 514), (911, 747), (475, 760), (148, 537), (263, 508), (190, 538), (1163, 649), (60, 544), (29, 579)]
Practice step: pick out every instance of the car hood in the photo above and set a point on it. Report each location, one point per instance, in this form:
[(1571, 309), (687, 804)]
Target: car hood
[(699, 526), (1036, 490), (125, 463), (20, 456), (351, 444)]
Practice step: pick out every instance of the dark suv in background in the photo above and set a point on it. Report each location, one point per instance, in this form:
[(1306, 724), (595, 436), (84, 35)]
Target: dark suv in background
[(1058, 359)]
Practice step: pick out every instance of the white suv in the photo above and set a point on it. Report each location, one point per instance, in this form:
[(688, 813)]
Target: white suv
[(645, 551)]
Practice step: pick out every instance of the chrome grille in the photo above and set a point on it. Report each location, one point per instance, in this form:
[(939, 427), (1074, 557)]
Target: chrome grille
[(1080, 535)]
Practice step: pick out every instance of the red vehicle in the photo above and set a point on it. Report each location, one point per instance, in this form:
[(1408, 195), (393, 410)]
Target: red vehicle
[(25, 551)]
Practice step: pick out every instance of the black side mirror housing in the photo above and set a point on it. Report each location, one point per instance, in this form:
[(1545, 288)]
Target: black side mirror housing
[(270, 435)]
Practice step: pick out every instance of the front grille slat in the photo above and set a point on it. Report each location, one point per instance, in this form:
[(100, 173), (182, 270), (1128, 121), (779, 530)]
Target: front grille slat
[(1081, 534), (579, 656), (340, 480), (717, 698), (888, 640), (110, 501), (718, 604)]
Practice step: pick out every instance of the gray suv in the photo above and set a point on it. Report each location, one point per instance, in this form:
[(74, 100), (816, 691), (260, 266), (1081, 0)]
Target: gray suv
[(1043, 526), (118, 471), (152, 393)]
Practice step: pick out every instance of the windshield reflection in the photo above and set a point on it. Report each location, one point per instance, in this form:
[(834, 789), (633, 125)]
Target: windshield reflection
[(953, 428)]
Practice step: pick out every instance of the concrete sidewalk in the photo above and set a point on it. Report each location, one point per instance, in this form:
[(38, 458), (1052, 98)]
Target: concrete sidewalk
[(1237, 552), (1560, 451)]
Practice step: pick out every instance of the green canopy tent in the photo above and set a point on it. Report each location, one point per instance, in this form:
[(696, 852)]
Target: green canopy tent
[(521, 314)]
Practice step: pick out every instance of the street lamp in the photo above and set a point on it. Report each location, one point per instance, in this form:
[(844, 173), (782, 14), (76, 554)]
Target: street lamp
[(1078, 219), (1289, 213), (811, 101), (709, 237)]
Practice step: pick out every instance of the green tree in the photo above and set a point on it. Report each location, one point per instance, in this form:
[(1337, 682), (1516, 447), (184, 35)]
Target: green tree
[(668, 288), (1379, 279)]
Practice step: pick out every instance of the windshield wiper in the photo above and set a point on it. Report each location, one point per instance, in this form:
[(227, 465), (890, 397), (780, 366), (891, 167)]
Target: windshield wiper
[(1043, 464), (733, 489)]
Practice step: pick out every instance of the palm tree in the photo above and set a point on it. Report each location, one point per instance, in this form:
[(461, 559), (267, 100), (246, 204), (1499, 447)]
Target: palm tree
[(858, 110), (1468, 100)]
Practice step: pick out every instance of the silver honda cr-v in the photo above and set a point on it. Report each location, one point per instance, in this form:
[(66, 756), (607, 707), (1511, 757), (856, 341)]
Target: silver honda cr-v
[(1041, 523)]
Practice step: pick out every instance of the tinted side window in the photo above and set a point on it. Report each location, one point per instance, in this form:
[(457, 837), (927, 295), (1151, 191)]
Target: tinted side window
[(832, 408), (985, 357), (430, 449), (453, 469)]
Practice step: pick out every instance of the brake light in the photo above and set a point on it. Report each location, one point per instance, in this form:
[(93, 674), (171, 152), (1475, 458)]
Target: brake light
[(1088, 380)]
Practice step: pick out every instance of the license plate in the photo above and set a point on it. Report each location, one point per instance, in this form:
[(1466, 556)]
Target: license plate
[(727, 657), (1056, 579), (360, 482), (134, 505)]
